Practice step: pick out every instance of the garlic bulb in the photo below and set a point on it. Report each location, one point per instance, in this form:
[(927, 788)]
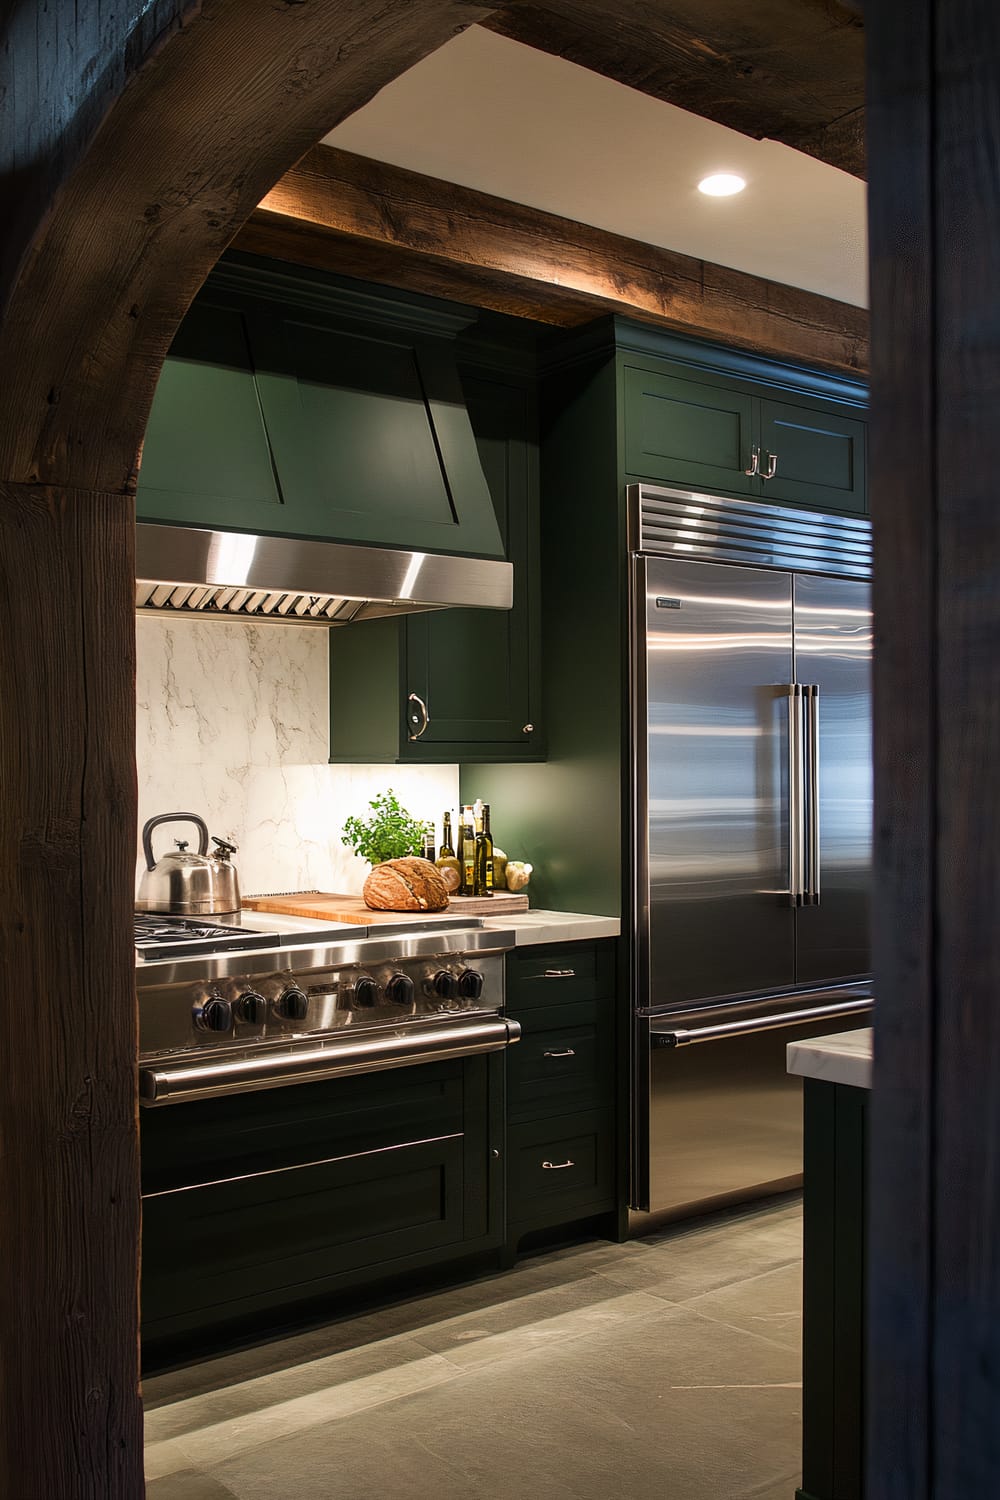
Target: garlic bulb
[(518, 874)]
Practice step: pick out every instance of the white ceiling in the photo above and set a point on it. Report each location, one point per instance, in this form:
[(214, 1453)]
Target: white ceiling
[(495, 115)]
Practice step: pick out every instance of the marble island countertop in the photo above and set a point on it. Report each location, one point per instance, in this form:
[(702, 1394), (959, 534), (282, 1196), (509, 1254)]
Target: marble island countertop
[(556, 926), (845, 1057)]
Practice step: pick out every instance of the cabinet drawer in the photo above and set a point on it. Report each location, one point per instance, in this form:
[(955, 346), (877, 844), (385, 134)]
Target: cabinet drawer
[(552, 975), (564, 1061), (561, 1169)]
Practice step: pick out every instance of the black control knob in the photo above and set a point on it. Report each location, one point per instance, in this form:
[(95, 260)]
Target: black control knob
[(292, 1004), (399, 989), (445, 985), (470, 984), (215, 1015), (366, 992), (252, 1007)]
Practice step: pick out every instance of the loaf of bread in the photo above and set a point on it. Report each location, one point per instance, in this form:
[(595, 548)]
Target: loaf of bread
[(405, 885)]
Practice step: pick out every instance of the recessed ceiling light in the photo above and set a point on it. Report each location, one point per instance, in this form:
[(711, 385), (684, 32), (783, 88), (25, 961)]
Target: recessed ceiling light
[(721, 184)]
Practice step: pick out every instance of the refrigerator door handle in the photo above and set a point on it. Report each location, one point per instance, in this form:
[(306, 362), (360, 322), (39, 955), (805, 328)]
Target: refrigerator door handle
[(684, 1038), (812, 880), (796, 798)]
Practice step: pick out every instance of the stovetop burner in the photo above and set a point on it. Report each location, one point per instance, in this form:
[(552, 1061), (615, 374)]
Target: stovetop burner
[(186, 937)]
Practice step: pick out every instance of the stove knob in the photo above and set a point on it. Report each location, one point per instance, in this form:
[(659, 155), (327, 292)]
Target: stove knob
[(366, 992), (399, 989), (215, 1015), (292, 1004), (470, 984), (445, 985), (252, 1007)]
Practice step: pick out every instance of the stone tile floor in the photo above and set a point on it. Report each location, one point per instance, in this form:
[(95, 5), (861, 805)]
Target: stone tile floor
[(666, 1368)]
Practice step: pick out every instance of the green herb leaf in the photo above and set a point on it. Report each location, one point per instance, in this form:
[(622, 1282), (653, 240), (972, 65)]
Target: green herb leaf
[(390, 833)]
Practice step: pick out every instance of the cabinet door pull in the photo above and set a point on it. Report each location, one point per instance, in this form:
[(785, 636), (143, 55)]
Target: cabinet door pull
[(558, 1166), (416, 716), (567, 1052), (559, 974), (772, 466), (754, 462)]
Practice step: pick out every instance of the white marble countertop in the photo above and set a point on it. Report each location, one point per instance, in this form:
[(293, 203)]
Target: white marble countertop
[(556, 926), (845, 1057)]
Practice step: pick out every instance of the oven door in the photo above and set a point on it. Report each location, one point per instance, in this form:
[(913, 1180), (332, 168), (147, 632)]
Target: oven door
[(257, 1204)]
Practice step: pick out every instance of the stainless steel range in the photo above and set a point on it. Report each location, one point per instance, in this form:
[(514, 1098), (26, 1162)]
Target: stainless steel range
[(227, 1008)]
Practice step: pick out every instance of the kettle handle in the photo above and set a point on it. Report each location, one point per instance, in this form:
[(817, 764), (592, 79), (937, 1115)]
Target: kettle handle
[(147, 842)]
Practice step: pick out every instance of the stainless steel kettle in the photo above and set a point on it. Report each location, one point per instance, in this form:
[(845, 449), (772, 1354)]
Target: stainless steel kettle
[(188, 885)]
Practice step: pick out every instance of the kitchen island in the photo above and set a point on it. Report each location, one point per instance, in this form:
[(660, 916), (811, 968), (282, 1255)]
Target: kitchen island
[(837, 1071)]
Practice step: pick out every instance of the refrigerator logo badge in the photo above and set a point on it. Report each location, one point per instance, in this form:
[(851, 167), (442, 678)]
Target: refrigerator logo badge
[(663, 603)]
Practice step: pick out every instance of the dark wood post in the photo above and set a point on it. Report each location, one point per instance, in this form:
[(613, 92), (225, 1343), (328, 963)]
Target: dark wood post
[(934, 1330), (130, 152)]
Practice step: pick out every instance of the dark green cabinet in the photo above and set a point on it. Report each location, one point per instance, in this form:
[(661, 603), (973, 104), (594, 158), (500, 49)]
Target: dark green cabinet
[(687, 432), (475, 671), (819, 457), (701, 431), (302, 405), (263, 1202), (833, 1290), (561, 1086)]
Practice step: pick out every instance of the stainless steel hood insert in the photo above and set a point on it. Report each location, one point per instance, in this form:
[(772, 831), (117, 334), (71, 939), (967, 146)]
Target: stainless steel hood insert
[(232, 575)]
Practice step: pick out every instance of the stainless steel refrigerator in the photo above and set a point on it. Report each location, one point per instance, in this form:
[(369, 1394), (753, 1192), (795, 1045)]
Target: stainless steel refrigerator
[(751, 798)]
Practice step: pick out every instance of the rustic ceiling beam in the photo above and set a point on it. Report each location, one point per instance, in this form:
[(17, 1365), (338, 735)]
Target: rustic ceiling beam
[(787, 70), (364, 218)]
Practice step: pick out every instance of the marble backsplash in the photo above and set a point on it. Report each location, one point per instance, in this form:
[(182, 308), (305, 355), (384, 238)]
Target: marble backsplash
[(232, 723)]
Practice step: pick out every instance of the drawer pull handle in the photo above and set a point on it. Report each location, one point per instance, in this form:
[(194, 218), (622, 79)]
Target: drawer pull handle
[(559, 974), (567, 1052), (557, 1166)]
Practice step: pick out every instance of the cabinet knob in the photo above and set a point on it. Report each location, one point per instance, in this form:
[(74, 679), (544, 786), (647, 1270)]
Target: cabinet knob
[(527, 729), (754, 462), (772, 466)]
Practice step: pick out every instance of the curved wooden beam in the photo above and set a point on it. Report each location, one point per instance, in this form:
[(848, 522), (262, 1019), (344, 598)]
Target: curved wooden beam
[(130, 155)]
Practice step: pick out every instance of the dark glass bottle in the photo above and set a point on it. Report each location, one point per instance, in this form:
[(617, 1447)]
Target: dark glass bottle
[(446, 845), (468, 854), (484, 854)]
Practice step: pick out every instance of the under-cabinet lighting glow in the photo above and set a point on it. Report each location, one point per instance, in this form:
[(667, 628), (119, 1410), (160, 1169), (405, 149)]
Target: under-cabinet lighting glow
[(721, 184)]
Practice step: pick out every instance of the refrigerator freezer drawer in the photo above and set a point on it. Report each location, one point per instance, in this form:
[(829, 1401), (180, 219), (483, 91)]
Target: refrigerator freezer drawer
[(724, 1118)]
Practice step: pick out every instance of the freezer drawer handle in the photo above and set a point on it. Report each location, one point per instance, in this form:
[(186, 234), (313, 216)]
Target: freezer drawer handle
[(727, 1029), (559, 974), (567, 1052), (558, 1166)]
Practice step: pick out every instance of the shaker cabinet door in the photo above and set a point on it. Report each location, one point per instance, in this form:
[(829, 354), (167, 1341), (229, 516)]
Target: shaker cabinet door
[(819, 457), (688, 432)]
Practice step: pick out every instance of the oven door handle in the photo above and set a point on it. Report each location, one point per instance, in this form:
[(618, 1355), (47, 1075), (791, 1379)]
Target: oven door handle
[(173, 1083)]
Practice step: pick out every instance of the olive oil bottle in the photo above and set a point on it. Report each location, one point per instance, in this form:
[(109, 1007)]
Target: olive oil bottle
[(447, 848), (484, 853), (468, 853)]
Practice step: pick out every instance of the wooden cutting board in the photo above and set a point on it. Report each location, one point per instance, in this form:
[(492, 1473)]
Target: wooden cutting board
[(330, 907)]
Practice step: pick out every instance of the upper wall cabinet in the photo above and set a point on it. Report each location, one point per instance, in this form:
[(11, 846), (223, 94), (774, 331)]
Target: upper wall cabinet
[(295, 404), (457, 684), (702, 429)]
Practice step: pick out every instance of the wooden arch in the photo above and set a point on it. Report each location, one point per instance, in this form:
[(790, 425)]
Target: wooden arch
[(137, 140)]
